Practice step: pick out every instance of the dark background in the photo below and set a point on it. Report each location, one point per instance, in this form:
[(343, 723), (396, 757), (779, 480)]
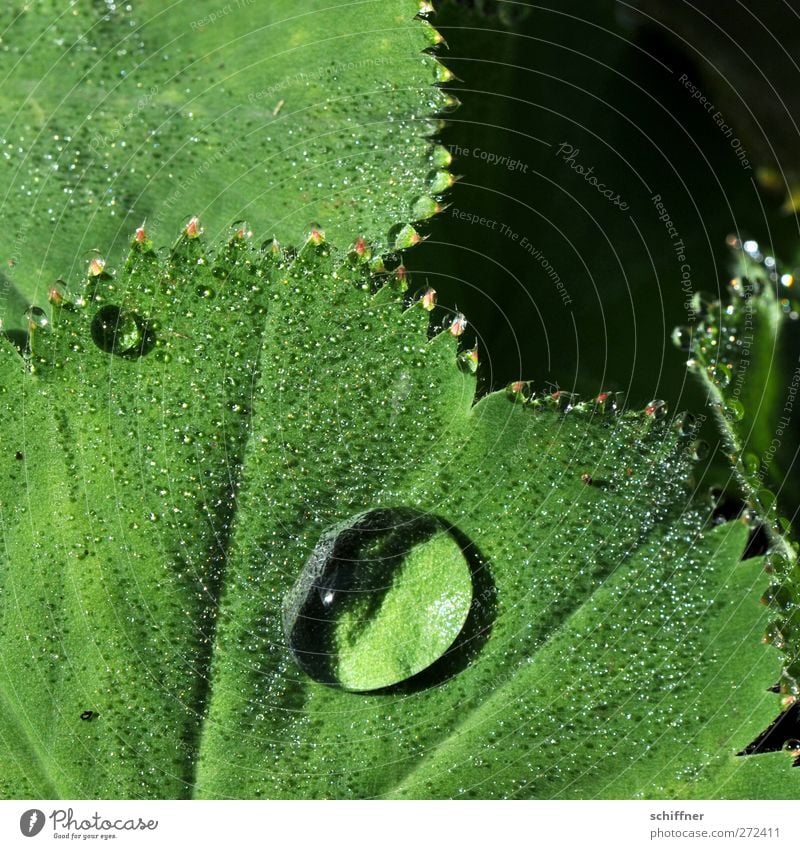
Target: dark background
[(604, 77)]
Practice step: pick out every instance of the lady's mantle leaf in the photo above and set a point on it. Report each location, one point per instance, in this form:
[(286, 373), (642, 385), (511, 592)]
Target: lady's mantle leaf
[(281, 112), (186, 432)]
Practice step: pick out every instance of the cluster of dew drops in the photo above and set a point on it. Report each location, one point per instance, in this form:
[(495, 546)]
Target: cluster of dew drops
[(720, 329), (717, 341)]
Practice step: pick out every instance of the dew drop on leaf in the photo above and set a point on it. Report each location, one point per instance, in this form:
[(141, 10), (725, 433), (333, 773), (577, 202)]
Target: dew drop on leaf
[(382, 597), (656, 409), (735, 409), (720, 374), (37, 317), (682, 338), (793, 747), (117, 331)]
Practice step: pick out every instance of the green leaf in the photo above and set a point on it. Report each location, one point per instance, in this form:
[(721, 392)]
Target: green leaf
[(279, 113), (13, 306), (194, 425), (744, 350)]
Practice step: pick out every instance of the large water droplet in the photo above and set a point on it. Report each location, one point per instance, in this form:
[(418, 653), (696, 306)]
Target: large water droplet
[(382, 597), (118, 331)]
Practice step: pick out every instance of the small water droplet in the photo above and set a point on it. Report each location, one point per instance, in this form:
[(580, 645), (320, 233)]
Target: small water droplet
[(793, 747), (682, 338), (720, 374), (734, 409), (774, 636), (685, 424), (656, 409), (458, 325), (468, 360), (519, 390), (97, 266), (428, 300), (37, 318), (751, 463), (751, 248)]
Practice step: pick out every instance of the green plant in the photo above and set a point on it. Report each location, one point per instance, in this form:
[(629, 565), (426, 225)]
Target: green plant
[(181, 436)]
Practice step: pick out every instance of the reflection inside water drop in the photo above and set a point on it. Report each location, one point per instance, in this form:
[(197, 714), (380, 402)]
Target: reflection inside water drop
[(385, 596), (119, 331)]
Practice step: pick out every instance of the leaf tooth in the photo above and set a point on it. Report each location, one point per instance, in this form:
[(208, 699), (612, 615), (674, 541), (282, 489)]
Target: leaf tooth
[(426, 10), (241, 232), (433, 36), (361, 248), (405, 237), (441, 157), (520, 391), (425, 207), (97, 266), (377, 265), (449, 104), (441, 180), (656, 409), (458, 325), (428, 299), (193, 228), (442, 74), (468, 360), (272, 248), (55, 294), (433, 127), (316, 235)]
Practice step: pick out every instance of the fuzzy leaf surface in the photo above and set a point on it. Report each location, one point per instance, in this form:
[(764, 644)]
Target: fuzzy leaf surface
[(161, 494)]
